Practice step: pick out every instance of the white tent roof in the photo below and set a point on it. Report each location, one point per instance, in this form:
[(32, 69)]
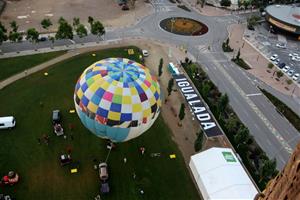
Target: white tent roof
[(221, 175)]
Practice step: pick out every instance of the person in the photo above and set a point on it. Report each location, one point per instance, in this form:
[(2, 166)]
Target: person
[(39, 140), (141, 191), (142, 149), (134, 175), (125, 160)]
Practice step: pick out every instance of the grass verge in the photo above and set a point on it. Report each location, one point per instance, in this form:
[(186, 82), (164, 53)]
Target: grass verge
[(12, 66), (283, 109)]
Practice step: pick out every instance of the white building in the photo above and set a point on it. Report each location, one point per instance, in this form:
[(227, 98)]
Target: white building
[(220, 175)]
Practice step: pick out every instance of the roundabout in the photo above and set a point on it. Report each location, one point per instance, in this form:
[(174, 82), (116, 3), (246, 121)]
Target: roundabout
[(183, 26)]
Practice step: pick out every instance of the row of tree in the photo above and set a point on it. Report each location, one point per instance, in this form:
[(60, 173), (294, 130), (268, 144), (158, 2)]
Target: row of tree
[(65, 30), (258, 164)]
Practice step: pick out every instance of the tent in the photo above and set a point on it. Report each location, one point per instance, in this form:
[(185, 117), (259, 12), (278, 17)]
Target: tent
[(220, 175)]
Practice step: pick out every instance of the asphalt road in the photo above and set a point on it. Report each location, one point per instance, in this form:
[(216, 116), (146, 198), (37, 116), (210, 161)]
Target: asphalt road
[(274, 134)]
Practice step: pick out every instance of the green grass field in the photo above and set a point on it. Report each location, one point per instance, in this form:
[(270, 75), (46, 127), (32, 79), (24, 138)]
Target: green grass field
[(31, 101), (12, 66)]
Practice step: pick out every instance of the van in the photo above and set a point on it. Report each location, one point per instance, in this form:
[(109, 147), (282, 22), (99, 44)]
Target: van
[(7, 122)]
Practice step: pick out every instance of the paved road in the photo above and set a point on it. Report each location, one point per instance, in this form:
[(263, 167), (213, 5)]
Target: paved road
[(272, 132)]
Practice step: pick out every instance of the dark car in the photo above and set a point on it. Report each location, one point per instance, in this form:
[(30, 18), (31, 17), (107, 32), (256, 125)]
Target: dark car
[(281, 65), (104, 187), (56, 117), (125, 7), (251, 28), (42, 39)]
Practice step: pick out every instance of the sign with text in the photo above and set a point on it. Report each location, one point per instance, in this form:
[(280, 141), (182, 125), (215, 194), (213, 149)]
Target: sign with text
[(198, 107)]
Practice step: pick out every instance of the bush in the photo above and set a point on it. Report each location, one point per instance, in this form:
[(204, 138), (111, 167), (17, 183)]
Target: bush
[(225, 3), (226, 47), (184, 8), (252, 155), (198, 141), (240, 62)]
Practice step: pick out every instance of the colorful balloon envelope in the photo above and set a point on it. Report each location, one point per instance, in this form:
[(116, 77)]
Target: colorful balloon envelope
[(117, 99)]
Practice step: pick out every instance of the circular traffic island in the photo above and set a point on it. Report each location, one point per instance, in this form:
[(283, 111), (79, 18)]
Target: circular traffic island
[(183, 26)]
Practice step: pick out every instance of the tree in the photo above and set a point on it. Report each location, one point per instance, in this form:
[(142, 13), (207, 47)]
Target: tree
[(270, 65), (268, 169), (32, 35), (65, 30), (206, 88), (76, 22), (81, 31), (199, 141), (15, 36), (14, 26), (170, 86), (279, 74), (181, 112), (223, 103), (97, 29), (46, 23), (242, 136), (225, 3), (232, 124), (289, 81), (90, 20), (160, 66), (238, 55), (3, 31)]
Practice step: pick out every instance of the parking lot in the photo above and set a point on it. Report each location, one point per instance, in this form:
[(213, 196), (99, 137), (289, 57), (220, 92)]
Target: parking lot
[(286, 50)]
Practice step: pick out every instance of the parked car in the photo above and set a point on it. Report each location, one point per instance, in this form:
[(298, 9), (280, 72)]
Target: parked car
[(286, 68), (291, 72), (8, 122), (274, 57), (145, 53), (103, 173), (251, 28), (42, 39), (56, 117), (277, 61), (125, 7), (56, 122), (296, 76), (281, 65), (104, 187), (281, 45), (293, 55), (296, 58)]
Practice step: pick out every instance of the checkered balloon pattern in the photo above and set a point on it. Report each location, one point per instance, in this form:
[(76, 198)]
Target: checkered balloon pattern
[(117, 98)]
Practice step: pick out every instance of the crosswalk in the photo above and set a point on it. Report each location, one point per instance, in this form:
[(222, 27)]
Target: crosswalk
[(162, 6)]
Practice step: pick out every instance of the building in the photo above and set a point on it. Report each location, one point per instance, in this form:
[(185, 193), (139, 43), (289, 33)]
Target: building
[(284, 17), (220, 175), (286, 185)]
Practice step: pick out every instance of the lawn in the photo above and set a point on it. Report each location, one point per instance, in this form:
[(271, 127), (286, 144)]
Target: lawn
[(11, 66), (31, 101)]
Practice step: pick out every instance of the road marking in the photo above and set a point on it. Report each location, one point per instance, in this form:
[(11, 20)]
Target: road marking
[(254, 94), (263, 118)]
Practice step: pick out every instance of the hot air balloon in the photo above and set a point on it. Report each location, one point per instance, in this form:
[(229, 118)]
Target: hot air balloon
[(117, 99)]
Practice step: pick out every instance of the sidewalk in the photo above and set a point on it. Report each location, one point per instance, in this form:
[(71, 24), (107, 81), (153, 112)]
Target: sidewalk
[(259, 62)]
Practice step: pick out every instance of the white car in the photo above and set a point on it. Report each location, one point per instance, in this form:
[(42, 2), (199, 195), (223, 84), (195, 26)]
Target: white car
[(296, 76), (274, 57), (293, 55), (281, 45), (296, 58), (145, 53), (286, 68), (291, 72)]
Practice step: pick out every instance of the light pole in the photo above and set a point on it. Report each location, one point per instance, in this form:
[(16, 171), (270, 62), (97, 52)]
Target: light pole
[(172, 22)]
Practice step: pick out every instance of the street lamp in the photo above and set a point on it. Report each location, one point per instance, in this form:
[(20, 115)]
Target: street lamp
[(172, 22)]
